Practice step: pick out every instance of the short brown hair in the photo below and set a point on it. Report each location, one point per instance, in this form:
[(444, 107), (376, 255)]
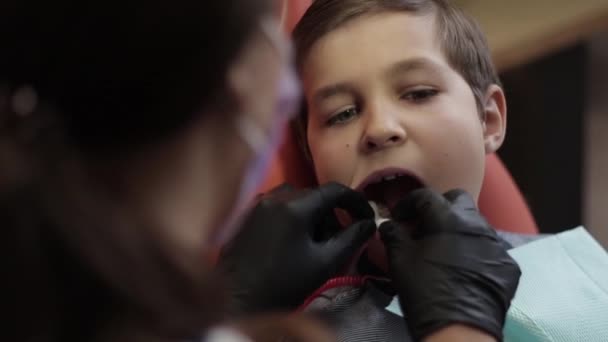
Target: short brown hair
[(462, 40)]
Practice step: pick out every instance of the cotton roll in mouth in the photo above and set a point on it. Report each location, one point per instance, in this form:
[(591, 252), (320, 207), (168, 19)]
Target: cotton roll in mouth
[(381, 213)]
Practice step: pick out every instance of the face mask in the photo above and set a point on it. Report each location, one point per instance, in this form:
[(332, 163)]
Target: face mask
[(263, 143), (263, 147)]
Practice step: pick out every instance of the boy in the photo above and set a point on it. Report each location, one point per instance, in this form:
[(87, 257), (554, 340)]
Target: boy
[(400, 95)]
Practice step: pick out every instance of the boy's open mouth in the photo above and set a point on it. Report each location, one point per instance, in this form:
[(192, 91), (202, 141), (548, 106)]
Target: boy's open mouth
[(388, 187)]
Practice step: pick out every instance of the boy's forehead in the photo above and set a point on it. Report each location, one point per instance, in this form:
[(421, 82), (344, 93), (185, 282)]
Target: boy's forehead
[(371, 43)]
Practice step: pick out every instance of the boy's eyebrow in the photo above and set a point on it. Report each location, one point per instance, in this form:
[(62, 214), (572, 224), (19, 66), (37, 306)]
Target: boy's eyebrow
[(405, 66), (413, 64), (332, 90)]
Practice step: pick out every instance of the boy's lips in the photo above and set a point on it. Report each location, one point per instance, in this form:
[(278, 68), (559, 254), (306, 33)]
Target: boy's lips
[(388, 186)]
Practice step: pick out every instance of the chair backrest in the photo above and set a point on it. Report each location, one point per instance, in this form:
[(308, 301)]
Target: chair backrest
[(500, 200)]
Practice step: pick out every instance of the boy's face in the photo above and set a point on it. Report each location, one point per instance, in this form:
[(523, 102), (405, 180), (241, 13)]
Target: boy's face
[(384, 100)]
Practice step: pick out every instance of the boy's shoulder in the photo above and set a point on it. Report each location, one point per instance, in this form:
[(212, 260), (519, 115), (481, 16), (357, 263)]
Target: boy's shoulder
[(515, 240)]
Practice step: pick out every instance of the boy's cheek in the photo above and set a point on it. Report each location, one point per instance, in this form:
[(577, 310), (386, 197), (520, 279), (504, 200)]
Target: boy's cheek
[(332, 162), (333, 154)]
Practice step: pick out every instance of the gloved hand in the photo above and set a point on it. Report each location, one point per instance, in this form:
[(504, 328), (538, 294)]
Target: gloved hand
[(290, 244), (451, 268)]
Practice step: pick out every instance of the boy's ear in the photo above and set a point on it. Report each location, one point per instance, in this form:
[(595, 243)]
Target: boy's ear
[(494, 118)]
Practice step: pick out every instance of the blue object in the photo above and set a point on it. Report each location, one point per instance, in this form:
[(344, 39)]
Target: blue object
[(563, 291)]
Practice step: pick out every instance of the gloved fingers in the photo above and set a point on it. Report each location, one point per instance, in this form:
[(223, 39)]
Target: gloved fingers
[(460, 198), (328, 227), (279, 193), (316, 204), (425, 208), (280, 190), (419, 204), (339, 250), (511, 283), (399, 244), (394, 235), (466, 208), (336, 195)]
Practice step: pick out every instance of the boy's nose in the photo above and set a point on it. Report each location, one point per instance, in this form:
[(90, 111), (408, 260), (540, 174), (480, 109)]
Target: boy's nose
[(383, 131)]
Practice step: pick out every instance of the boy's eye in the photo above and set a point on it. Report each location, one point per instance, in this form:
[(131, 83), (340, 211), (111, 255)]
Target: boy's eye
[(419, 95), (343, 116)]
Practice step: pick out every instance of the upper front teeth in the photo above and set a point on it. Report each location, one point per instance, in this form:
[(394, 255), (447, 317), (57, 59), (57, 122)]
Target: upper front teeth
[(387, 178)]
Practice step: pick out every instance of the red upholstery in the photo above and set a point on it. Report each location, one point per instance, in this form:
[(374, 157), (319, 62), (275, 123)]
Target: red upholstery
[(500, 201)]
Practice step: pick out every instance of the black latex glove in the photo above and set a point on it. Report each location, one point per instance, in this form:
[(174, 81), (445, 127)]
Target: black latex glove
[(290, 244), (452, 268)]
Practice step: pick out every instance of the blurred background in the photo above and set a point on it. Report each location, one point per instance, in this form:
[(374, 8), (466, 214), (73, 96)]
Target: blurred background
[(553, 60)]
